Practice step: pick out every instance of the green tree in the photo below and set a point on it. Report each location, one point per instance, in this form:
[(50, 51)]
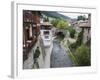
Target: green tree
[(73, 47), (55, 22), (79, 40), (72, 32), (46, 19), (62, 24), (81, 17), (83, 55)]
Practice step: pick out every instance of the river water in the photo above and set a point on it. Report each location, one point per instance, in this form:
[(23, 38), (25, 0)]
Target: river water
[(59, 56)]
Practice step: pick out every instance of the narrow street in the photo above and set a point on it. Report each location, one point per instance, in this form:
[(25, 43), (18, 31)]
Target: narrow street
[(59, 56), (51, 38)]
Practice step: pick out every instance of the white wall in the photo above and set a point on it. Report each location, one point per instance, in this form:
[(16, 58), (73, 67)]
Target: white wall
[(5, 40)]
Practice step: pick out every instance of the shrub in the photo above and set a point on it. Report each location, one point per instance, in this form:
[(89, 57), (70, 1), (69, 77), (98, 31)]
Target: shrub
[(83, 55), (81, 18), (79, 40), (55, 22), (73, 47), (72, 32)]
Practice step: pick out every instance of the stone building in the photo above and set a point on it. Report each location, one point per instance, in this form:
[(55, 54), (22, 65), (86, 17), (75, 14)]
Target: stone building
[(31, 21), (37, 43), (47, 42), (86, 27)]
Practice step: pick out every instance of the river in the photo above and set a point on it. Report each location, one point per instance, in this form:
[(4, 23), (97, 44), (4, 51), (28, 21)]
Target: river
[(59, 56)]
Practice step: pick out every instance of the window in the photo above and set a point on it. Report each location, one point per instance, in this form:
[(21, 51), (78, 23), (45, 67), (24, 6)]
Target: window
[(46, 32), (46, 37)]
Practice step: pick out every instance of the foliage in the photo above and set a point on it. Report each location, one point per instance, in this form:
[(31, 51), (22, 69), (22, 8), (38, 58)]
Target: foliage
[(81, 51), (78, 42), (73, 46), (46, 19), (81, 17), (60, 23), (80, 38), (83, 55), (72, 32), (60, 35), (55, 22)]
